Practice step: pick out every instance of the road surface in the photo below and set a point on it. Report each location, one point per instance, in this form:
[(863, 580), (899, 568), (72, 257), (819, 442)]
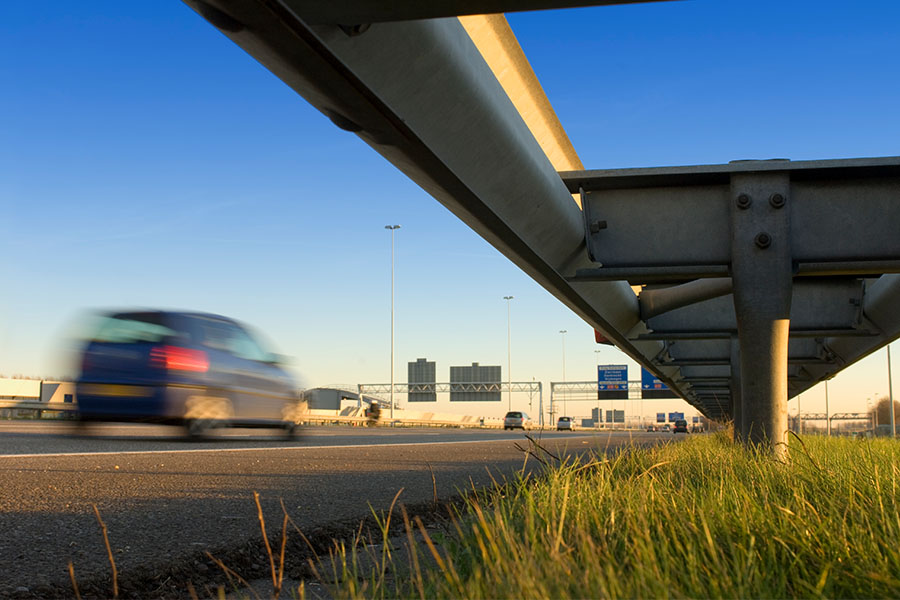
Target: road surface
[(167, 500)]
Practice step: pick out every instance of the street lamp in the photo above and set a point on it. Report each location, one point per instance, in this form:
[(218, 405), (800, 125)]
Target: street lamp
[(891, 393), (870, 408), (564, 332), (599, 415), (875, 409), (392, 228), (508, 353)]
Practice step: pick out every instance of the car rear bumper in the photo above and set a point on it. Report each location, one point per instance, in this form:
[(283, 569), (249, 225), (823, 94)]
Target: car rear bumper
[(156, 403)]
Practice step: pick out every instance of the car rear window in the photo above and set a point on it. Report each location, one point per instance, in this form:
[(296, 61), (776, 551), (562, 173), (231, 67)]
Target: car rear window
[(133, 328), (513, 415)]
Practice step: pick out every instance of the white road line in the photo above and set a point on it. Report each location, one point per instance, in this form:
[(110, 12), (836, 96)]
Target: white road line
[(265, 449)]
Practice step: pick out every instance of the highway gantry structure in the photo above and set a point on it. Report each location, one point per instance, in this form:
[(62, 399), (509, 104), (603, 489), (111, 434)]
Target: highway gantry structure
[(760, 278)]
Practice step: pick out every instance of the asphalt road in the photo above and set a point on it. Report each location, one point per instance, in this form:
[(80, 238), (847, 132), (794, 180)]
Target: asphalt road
[(166, 499)]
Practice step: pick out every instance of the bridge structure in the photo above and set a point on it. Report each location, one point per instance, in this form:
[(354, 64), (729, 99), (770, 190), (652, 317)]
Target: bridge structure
[(757, 279)]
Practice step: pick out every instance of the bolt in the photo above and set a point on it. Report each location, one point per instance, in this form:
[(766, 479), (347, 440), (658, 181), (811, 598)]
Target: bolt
[(763, 240), (355, 30), (597, 226), (744, 201), (776, 200)]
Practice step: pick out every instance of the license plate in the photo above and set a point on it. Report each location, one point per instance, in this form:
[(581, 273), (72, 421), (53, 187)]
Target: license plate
[(103, 389)]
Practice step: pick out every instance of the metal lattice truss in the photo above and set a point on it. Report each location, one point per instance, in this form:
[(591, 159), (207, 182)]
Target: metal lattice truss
[(761, 278), (532, 387), (855, 416), (588, 388)]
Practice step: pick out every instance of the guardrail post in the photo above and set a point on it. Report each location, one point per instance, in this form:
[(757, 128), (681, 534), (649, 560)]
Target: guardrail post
[(762, 277)]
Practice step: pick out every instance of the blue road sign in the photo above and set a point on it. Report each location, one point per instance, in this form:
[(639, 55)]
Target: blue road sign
[(612, 381), (660, 417), (652, 387), (675, 416)]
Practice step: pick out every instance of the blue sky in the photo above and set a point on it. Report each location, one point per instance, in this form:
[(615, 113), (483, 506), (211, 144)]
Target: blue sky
[(146, 160)]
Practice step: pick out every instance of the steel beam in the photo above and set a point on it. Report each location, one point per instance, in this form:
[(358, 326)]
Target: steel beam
[(880, 310), (420, 93), (658, 301), (354, 12), (842, 213), (712, 352), (819, 307)]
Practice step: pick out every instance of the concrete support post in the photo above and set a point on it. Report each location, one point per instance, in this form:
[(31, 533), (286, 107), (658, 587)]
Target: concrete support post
[(737, 413), (762, 279)]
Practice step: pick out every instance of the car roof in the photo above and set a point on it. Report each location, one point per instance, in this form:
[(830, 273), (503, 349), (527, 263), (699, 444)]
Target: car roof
[(161, 314), (180, 313)]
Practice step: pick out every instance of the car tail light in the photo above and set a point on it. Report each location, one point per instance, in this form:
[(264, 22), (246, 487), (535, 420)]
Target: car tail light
[(174, 358)]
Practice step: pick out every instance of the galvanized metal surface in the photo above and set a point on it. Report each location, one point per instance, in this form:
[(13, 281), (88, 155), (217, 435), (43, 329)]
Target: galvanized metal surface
[(676, 220), (355, 12)]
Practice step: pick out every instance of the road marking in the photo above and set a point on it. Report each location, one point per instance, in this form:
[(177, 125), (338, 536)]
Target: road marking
[(198, 450)]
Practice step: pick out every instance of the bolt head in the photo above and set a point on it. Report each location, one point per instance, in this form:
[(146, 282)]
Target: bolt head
[(777, 200), (763, 240), (744, 201)]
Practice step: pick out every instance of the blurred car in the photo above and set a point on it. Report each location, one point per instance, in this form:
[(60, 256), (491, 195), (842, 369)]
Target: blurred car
[(565, 424), (517, 420), (680, 426), (651, 428), (666, 427), (196, 370)]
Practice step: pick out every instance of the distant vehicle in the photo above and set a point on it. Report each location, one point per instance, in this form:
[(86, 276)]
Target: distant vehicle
[(565, 424), (680, 426), (651, 428), (666, 427), (196, 370), (517, 420), (373, 414)]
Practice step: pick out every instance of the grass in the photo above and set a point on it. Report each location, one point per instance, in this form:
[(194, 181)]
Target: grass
[(703, 518)]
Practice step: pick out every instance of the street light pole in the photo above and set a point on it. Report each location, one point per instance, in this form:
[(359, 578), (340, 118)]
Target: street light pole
[(891, 393), (599, 415), (508, 352), (869, 406), (392, 228), (564, 332), (875, 409)]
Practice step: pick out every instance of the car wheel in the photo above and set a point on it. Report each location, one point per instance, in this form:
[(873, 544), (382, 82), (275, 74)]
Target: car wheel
[(291, 430), (197, 428), (202, 413)]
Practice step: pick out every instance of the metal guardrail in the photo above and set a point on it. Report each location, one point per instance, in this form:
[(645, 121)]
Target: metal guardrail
[(321, 419), (37, 405), (387, 422)]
